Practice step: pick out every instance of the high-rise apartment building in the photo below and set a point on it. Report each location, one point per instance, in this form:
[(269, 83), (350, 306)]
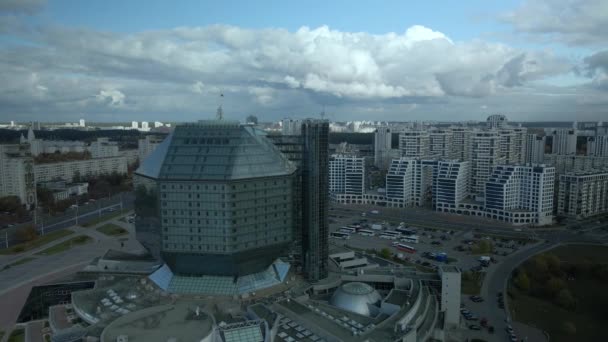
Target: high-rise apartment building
[(382, 147), (315, 191), (484, 156), (346, 175), (225, 199), (583, 194), (440, 144), (410, 181), (534, 149), (564, 141), (17, 176), (597, 146), (134, 124), (414, 144), (291, 126), (450, 184), (564, 164), (461, 141), (496, 121), (520, 194)]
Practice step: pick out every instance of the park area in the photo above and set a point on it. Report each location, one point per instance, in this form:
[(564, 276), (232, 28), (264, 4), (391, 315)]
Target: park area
[(563, 292)]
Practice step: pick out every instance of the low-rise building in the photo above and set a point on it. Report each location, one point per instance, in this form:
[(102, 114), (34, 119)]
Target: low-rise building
[(63, 190)]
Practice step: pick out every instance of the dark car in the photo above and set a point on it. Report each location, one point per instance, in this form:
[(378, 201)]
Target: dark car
[(474, 327)]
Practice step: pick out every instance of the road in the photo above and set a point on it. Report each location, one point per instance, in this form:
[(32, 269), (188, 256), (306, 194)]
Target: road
[(71, 217)]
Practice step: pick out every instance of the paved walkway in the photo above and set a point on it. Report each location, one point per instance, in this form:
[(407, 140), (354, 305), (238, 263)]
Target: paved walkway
[(16, 282)]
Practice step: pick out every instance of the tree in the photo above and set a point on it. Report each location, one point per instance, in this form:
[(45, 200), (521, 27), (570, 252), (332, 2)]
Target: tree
[(483, 247), (26, 233), (385, 253), (569, 328), (522, 281), (252, 119), (565, 299), (553, 263), (554, 286)]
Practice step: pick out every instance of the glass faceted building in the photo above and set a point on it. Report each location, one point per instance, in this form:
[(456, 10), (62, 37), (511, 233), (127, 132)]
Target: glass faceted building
[(216, 198)]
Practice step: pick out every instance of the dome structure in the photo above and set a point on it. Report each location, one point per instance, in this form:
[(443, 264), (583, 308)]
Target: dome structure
[(356, 297)]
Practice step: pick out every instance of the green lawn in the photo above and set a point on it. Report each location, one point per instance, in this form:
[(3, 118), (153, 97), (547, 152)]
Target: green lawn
[(18, 335), (64, 246), (38, 242), (112, 230), (472, 285), (105, 217)]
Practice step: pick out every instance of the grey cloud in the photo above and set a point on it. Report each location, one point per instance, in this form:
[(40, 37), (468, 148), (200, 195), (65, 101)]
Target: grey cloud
[(67, 71), (573, 22), (22, 6)]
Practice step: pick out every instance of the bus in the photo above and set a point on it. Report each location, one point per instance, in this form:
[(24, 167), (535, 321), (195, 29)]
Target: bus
[(406, 248), (410, 239), (366, 232), (406, 231), (355, 225), (348, 230), (339, 235), (391, 232), (388, 236)]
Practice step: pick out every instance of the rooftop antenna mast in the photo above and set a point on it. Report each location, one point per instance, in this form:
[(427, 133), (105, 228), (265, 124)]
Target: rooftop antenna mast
[(323, 113), (220, 112)]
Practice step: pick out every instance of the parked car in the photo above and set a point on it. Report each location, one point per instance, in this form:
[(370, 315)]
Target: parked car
[(474, 327)]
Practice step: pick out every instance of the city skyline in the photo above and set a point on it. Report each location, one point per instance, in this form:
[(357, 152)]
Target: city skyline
[(532, 61)]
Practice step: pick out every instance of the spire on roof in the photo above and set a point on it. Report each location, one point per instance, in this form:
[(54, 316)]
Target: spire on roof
[(220, 112)]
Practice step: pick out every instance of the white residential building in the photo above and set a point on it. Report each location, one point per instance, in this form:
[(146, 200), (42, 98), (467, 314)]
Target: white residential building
[(103, 148), (89, 167), (484, 156), (450, 184), (461, 143), (583, 194), (564, 164), (134, 125), (147, 145), (496, 121), (440, 144), (534, 149), (409, 181), (346, 175), (382, 147), (81, 123), (63, 190), (291, 126), (597, 146), (17, 173), (414, 144), (564, 141), (521, 195), (145, 126)]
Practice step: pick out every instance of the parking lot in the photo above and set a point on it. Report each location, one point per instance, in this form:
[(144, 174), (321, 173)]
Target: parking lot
[(457, 244)]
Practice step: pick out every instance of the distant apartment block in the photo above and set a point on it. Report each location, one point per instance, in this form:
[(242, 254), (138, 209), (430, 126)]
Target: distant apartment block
[(496, 121), (382, 147), (534, 149), (512, 145), (582, 195), (597, 146), (88, 167), (461, 141), (521, 194), (346, 175), (414, 144), (564, 141), (17, 173), (564, 164), (484, 156), (440, 144), (103, 148), (147, 145)]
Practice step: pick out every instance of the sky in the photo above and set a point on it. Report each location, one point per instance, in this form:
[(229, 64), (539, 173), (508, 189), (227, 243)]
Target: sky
[(118, 61)]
